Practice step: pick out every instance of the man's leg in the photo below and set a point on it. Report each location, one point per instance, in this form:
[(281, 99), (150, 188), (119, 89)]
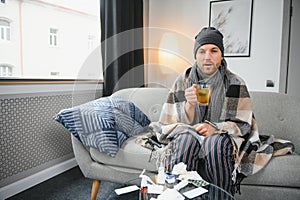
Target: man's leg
[(219, 161), (186, 149)]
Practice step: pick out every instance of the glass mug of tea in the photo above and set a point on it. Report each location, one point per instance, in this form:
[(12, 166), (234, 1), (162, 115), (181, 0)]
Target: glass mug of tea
[(203, 93)]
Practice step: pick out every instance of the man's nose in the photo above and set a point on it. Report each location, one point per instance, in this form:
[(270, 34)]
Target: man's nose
[(207, 55)]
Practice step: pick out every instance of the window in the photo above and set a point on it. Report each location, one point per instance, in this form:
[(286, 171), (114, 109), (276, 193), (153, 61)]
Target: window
[(5, 71), (4, 30), (53, 37), (91, 42)]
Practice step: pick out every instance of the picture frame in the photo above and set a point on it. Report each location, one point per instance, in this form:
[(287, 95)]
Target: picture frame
[(233, 18)]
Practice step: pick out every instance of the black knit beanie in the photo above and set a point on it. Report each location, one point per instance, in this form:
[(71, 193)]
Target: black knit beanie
[(209, 35)]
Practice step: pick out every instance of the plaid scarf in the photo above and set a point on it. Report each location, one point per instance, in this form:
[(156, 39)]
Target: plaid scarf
[(251, 151)]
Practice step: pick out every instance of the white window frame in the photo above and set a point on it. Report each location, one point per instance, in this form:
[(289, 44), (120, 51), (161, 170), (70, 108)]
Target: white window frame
[(6, 71), (5, 30), (91, 42), (53, 37)]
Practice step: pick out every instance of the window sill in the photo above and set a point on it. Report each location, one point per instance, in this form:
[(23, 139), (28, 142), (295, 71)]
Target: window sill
[(12, 81)]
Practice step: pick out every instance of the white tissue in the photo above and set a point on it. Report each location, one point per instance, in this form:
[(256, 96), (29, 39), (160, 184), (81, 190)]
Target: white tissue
[(170, 194), (181, 185), (193, 175), (179, 168)]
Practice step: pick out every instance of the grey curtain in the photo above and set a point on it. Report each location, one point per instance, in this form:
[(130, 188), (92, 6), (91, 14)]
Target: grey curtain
[(122, 44)]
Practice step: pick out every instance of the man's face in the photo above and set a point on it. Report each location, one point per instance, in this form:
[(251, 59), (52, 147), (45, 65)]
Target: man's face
[(209, 58)]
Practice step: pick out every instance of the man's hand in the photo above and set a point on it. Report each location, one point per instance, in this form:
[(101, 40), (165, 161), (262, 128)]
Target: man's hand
[(191, 95), (191, 101), (204, 129)]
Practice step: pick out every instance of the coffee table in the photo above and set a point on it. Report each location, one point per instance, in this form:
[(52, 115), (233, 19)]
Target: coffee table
[(214, 192)]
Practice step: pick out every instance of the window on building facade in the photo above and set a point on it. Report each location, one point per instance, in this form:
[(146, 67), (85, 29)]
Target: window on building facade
[(6, 71), (33, 28), (4, 30), (53, 37), (91, 42)]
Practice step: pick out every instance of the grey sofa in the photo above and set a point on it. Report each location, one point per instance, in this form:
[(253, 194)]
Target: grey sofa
[(276, 114)]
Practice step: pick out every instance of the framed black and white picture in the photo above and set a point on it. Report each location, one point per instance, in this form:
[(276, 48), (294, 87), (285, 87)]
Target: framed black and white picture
[(233, 18)]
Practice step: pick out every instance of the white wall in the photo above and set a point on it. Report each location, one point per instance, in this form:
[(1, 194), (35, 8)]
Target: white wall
[(264, 62), (186, 18)]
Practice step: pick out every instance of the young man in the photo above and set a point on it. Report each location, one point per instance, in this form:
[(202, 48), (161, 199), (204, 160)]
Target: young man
[(226, 124)]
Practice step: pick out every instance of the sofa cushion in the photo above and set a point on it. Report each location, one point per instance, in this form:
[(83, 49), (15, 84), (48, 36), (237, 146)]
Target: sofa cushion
[(277, 114), (257, 192), (281, 171), (104, 123), (149, 100), (131, 155)]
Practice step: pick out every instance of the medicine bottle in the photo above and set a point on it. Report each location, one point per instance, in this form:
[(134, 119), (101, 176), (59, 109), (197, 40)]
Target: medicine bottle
[(143, 190), (170, 180)]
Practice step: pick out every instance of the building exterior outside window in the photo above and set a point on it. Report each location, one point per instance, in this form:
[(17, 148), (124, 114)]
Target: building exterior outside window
[(91, 42), (53, 37), (30, 29), (4, 30), (6, 71)]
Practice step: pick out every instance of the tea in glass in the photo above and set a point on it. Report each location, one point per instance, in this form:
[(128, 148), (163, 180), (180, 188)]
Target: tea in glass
[(203, 94)]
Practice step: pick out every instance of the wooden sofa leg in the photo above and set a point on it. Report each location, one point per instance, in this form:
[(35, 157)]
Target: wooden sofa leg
[(95, 188)]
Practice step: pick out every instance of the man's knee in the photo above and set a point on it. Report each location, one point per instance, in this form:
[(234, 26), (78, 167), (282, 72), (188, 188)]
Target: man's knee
[(218, 144)]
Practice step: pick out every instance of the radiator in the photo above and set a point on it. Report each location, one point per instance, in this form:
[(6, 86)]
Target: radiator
[(30, 140)]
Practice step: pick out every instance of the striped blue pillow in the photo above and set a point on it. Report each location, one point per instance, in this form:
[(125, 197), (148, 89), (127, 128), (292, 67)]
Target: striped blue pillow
[(104, 123)]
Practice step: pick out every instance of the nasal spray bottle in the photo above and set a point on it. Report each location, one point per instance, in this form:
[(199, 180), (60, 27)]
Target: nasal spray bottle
[(144, 186), (161, 172), (169, 178)]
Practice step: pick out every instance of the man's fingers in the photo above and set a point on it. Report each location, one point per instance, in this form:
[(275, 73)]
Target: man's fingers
[(203, 130)]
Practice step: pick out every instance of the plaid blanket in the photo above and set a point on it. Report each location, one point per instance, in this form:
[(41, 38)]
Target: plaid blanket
[(252, 152)]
